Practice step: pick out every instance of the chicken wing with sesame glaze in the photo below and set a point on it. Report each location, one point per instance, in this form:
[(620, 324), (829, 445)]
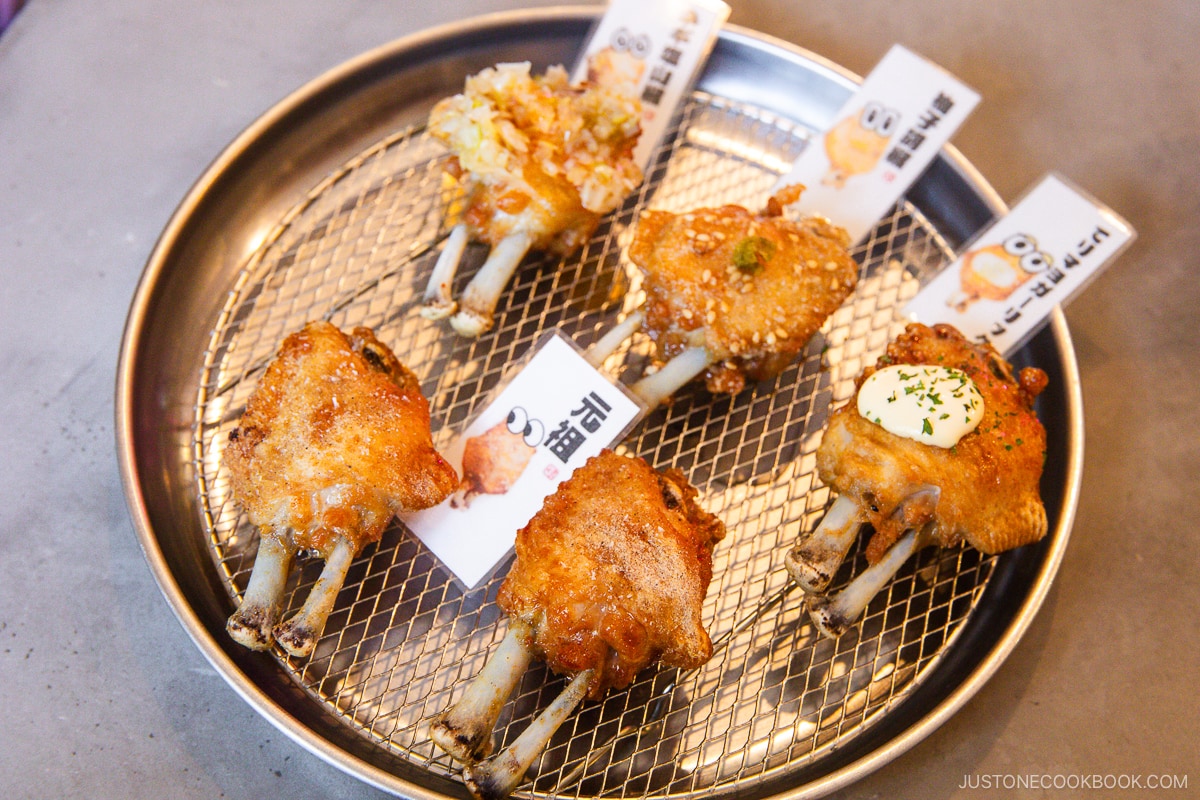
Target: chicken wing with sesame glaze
[(732, 293)]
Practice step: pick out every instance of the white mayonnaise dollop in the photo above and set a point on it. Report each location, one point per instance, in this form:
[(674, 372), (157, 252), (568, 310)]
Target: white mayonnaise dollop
[(933, 405)]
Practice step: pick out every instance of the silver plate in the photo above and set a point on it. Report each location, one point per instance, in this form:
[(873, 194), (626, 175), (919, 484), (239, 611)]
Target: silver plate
[(330, 205)]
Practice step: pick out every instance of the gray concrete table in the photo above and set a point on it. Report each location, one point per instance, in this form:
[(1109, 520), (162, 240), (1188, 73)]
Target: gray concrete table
[(109, 111)]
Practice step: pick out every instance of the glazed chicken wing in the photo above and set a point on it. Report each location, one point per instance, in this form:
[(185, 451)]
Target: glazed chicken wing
[(540, 162), (983, 488), (748, 289), (610, 576), (334, 441)]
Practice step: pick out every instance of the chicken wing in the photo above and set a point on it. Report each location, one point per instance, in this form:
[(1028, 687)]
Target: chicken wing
[(610, 576), (742, 291), (982, 489), (612, 572), (334, 441), (540, 162)]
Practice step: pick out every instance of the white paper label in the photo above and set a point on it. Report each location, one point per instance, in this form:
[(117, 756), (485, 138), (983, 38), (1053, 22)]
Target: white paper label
[(883, 138), (554, 414), (1002, 289), (662, 45)]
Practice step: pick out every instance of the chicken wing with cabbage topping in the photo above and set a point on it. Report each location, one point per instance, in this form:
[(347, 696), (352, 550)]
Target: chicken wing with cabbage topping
[(540, 162)]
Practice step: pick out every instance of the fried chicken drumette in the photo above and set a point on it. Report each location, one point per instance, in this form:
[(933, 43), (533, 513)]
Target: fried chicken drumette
[(982, 489), (334, 441), (540, 161), (610, 577), (732, 293)]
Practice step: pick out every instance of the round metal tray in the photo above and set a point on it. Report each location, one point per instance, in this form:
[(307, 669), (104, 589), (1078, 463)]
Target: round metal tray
[(330, 205)]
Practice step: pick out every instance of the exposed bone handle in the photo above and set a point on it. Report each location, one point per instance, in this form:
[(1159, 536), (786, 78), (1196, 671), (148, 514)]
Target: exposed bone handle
[(299, 634), (252, 624), (498, 776), (465, 729), (610, 341), (655, 388), (814, 561), (833, 616), (479, 299), (439, 298)]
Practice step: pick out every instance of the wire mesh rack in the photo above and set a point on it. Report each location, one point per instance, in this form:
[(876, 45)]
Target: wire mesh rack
[(405, 635)]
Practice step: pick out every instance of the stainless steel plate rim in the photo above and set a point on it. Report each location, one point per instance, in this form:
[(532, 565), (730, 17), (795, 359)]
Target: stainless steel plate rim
[(126, 430)]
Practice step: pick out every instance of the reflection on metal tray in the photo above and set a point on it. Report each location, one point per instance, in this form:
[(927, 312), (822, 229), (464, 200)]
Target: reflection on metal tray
[(353, 238)]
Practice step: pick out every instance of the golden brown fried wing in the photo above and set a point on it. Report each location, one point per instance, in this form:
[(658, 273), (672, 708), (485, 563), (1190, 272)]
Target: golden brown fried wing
[(940, 443), (335, 440), (751, 288), (610, 576), (988, 482), (611, 573)]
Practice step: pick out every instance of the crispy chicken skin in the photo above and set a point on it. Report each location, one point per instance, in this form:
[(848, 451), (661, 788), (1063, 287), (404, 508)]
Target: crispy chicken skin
[(334, 441), (988, 482), (611, 573), (537, 155), (752, 288)]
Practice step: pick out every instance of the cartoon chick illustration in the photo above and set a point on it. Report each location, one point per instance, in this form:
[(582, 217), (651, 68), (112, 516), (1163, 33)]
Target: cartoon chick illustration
[(855, 145), (622, 61), (995, 272), (494, 460)]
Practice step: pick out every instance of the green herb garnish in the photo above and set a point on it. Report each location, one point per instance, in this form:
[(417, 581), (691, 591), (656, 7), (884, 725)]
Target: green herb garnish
[(752, 254)]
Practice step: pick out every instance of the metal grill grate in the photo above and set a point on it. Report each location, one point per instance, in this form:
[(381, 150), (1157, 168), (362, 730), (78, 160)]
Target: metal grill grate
[(405, 636)]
